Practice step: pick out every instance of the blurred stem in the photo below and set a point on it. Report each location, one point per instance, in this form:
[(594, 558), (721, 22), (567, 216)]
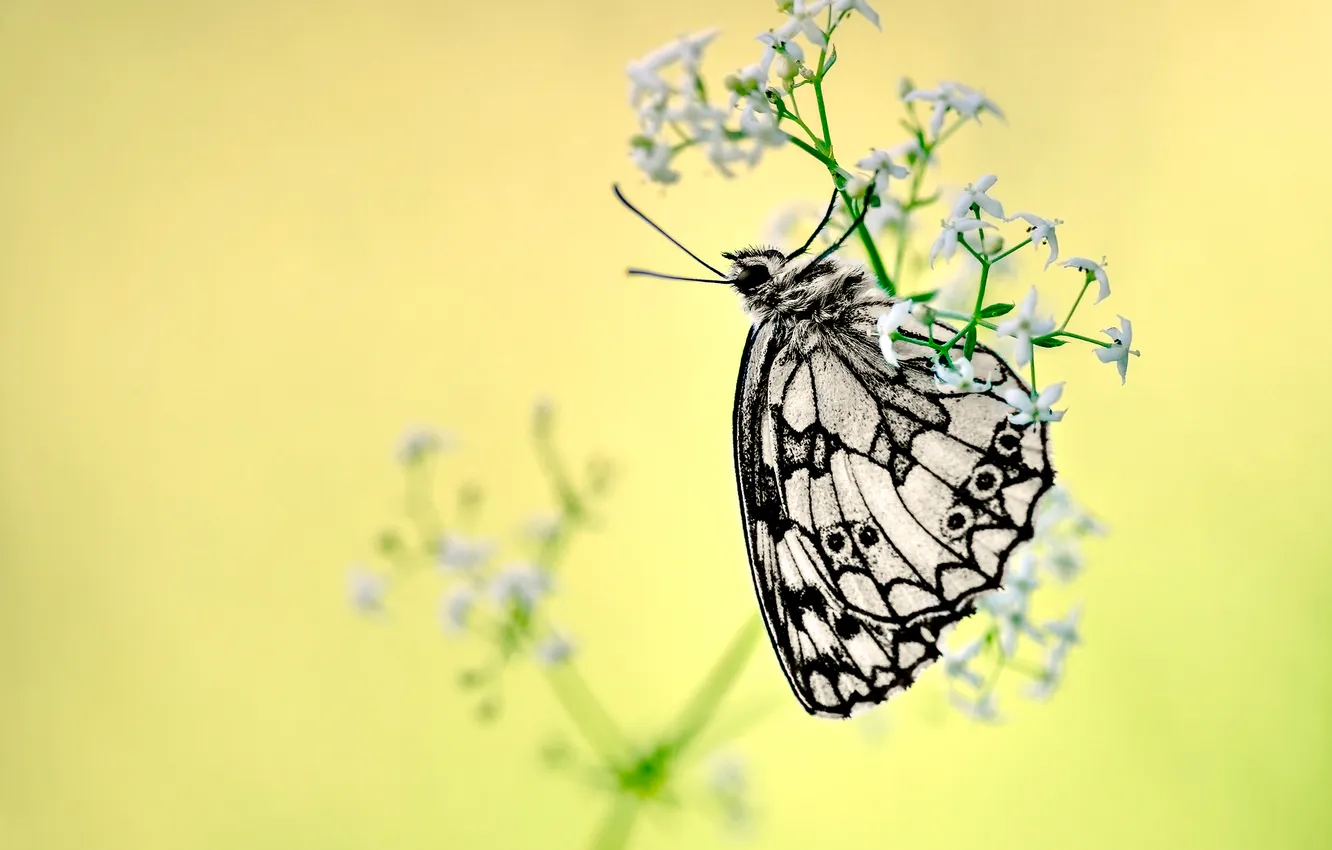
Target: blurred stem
[(571, 505), (703, 707), (587, 713), (741, 721), (619, 823), (419, 501)]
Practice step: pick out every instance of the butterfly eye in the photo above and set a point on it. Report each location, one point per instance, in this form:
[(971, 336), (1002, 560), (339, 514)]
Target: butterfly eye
[(751, 277)]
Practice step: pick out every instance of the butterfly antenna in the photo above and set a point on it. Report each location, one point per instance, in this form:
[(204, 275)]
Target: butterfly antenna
[(636, 211), (647, 273), (834, 246), (822, 224)]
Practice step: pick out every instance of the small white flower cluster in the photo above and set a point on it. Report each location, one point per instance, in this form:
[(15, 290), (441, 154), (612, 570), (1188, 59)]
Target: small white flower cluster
[(505, 602), (668, 93), (1008, 628), (953, 97), (728, 786), (670, 97), (1027, 327), (419, 442)]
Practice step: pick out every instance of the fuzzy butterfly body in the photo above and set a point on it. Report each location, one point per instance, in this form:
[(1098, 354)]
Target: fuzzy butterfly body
[(877, 504)]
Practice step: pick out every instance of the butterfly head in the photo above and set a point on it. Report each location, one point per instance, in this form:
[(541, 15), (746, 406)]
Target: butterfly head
[(754, 271), (774, 285)]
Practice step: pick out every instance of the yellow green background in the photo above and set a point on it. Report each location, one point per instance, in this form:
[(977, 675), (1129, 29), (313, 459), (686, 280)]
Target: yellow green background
[(242, 244)]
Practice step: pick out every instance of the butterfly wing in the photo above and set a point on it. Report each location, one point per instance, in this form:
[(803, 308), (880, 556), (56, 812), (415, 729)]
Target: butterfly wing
[(876, 504)]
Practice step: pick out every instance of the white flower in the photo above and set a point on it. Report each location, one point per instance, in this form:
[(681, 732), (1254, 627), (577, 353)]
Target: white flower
[(763, 129), (554, 650), (974, 194), (1063, 559), (888, 213), (653, 158), (1119, 352), (458, 553), (542, 527), (1025, 326), (456, 608), (419, 441), (702, 119), (1036, 409), (962, 377), (856, 186), (841, 7), (982, 708), (957, 665), (1021, 576), (1065, 630), (365, 589), (906, 150), (1009, 609), (728, 782), (1048, 677), (750, 85), (778, 46), (727, 774), (1093, 271), (802, 21), (964, 100), (519, 584), (645, 73), (888, 323), (946, 242), (1041, 231), (881, 164)]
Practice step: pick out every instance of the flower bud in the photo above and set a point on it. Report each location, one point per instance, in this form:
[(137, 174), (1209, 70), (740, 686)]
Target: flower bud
[(905, 86), (856, 186), (784, 68)]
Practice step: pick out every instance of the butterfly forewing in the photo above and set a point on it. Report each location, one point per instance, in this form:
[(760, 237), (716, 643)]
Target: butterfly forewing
[(876, 504)]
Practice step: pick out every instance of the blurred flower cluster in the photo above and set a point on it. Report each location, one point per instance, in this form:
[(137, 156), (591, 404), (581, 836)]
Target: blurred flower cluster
[(881, 196), (500, 595), (1002, 637)]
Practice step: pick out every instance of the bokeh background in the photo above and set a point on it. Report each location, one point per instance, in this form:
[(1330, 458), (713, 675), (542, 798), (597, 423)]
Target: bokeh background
[(242, 244)]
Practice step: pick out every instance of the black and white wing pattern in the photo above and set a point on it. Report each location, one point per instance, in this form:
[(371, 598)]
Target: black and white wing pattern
[(876, 503)]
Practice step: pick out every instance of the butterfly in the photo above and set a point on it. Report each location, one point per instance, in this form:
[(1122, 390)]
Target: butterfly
[(877, 502)]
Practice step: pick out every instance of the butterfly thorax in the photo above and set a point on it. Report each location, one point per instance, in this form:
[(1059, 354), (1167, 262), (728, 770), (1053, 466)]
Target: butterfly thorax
[(806, 300)]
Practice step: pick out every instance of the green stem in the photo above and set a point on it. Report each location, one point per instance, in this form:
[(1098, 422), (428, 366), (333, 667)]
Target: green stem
[(1072, 335), (587, 713), (823, 112), (614, 831), (1074, 308), (817, 154), (912, 200), (867, 242), (1024, 243), (970, 347), (570, 503), (703, 706)]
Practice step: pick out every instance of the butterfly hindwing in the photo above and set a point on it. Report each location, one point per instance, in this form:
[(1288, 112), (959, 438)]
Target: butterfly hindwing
[(876, 504)]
